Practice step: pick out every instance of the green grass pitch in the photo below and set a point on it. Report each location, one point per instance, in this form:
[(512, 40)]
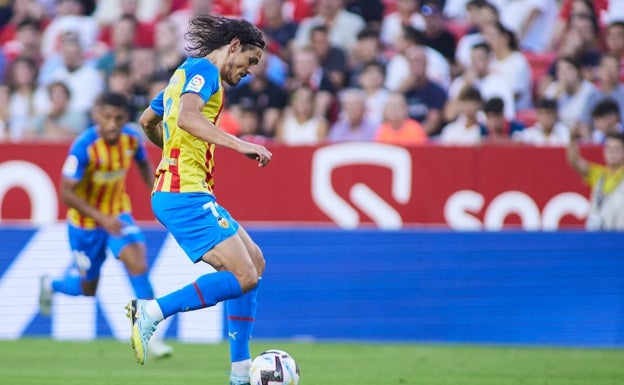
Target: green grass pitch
[(106, 362)]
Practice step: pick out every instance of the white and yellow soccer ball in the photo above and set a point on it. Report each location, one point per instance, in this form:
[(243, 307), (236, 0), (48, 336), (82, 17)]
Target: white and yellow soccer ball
[(274, 367)]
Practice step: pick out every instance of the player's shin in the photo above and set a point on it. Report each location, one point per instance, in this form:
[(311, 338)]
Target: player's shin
[(207, 290), (241, 314), (142, 286)]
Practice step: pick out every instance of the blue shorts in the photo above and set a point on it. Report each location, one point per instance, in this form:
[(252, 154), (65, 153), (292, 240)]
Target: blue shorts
[(195, 220), (89, 245)]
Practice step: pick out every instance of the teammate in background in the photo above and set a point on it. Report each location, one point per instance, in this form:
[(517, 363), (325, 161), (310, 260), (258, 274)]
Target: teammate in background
[(99, 215), (183, 121), (607, 182)]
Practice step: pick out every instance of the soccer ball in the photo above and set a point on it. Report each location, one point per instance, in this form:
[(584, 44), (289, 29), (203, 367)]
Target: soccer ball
[(274, 367)]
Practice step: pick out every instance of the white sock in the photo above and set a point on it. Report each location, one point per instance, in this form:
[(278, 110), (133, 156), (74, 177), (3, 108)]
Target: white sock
[(153, 310), (241, 368)]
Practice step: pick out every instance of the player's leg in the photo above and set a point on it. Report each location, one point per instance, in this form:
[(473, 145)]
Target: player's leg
[(81, 278), (130, 249), (207, 232), (241, 314)]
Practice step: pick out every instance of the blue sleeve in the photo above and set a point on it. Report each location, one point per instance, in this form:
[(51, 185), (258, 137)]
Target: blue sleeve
[(157, 104), (141, 152), (202, 78), (77, 160)]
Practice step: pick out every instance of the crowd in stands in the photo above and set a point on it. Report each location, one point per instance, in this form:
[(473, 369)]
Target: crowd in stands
[(408, 72)]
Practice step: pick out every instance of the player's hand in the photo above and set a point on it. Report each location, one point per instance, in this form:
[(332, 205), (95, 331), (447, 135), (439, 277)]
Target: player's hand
[(112, 225), (257, 152)]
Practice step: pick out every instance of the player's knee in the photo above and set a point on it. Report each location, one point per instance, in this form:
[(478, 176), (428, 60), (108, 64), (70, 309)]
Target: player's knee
[(258, 260), (136, 266), (88, 291), (248, 280)]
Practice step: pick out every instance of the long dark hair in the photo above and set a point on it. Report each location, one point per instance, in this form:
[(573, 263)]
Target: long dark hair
[(207, 33)]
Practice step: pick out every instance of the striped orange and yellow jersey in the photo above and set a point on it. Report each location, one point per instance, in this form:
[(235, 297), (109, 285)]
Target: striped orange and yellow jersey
[(101, 170), (187, 163)]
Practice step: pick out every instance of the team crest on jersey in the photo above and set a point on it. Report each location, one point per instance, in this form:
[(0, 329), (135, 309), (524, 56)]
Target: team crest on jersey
[(223, 222), (195, 84)]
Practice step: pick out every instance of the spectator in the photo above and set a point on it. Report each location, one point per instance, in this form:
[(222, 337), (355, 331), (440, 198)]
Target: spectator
[(406, 13), (570, 90), (397, 127), (120, 53), (606, 117), (279, 32), (398, 68), (609, 86), (85, 82), (532, 21), (580, 42), (570, 11), (260, 96), (371, 81), (353, 123), (465, 130), (142, 69), (481, 13), (21, 79), (27, 42), (436, 35), (307, 72), (23, 10), (108, 12), (300, 125), (333, 60), (367, 50), (372, 11), (548, 130), (606, 211), (249, 123), (499, 129), (181, 17), (60, 123), (510, 63), (479, 75), (70, 17), (425, 99), (614, 41), (167, 53), (343, 25)]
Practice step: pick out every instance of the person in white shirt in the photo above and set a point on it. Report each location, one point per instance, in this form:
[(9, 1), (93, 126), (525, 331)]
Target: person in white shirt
[(343, 25), (548, 130), (479, 76), (532, 21), (571, 91), (510, 63), (465, 130), (398, 68), (406, 13)]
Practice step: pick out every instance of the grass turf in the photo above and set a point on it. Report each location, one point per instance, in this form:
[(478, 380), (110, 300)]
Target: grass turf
[(105, 362)]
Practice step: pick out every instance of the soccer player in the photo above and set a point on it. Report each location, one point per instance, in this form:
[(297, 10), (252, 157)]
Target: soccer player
[(183, 121), (99, 215)]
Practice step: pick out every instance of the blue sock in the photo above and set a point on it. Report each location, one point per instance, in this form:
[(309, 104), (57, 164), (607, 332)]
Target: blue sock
[(142, 286), (241, 314), (207, 290), (70, 285)]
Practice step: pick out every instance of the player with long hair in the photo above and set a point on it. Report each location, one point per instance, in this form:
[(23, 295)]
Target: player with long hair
[(183, 121)]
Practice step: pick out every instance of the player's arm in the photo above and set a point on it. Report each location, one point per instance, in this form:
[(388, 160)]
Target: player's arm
[(151, 123), (68, 195), (575, 160), (191, 120)]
